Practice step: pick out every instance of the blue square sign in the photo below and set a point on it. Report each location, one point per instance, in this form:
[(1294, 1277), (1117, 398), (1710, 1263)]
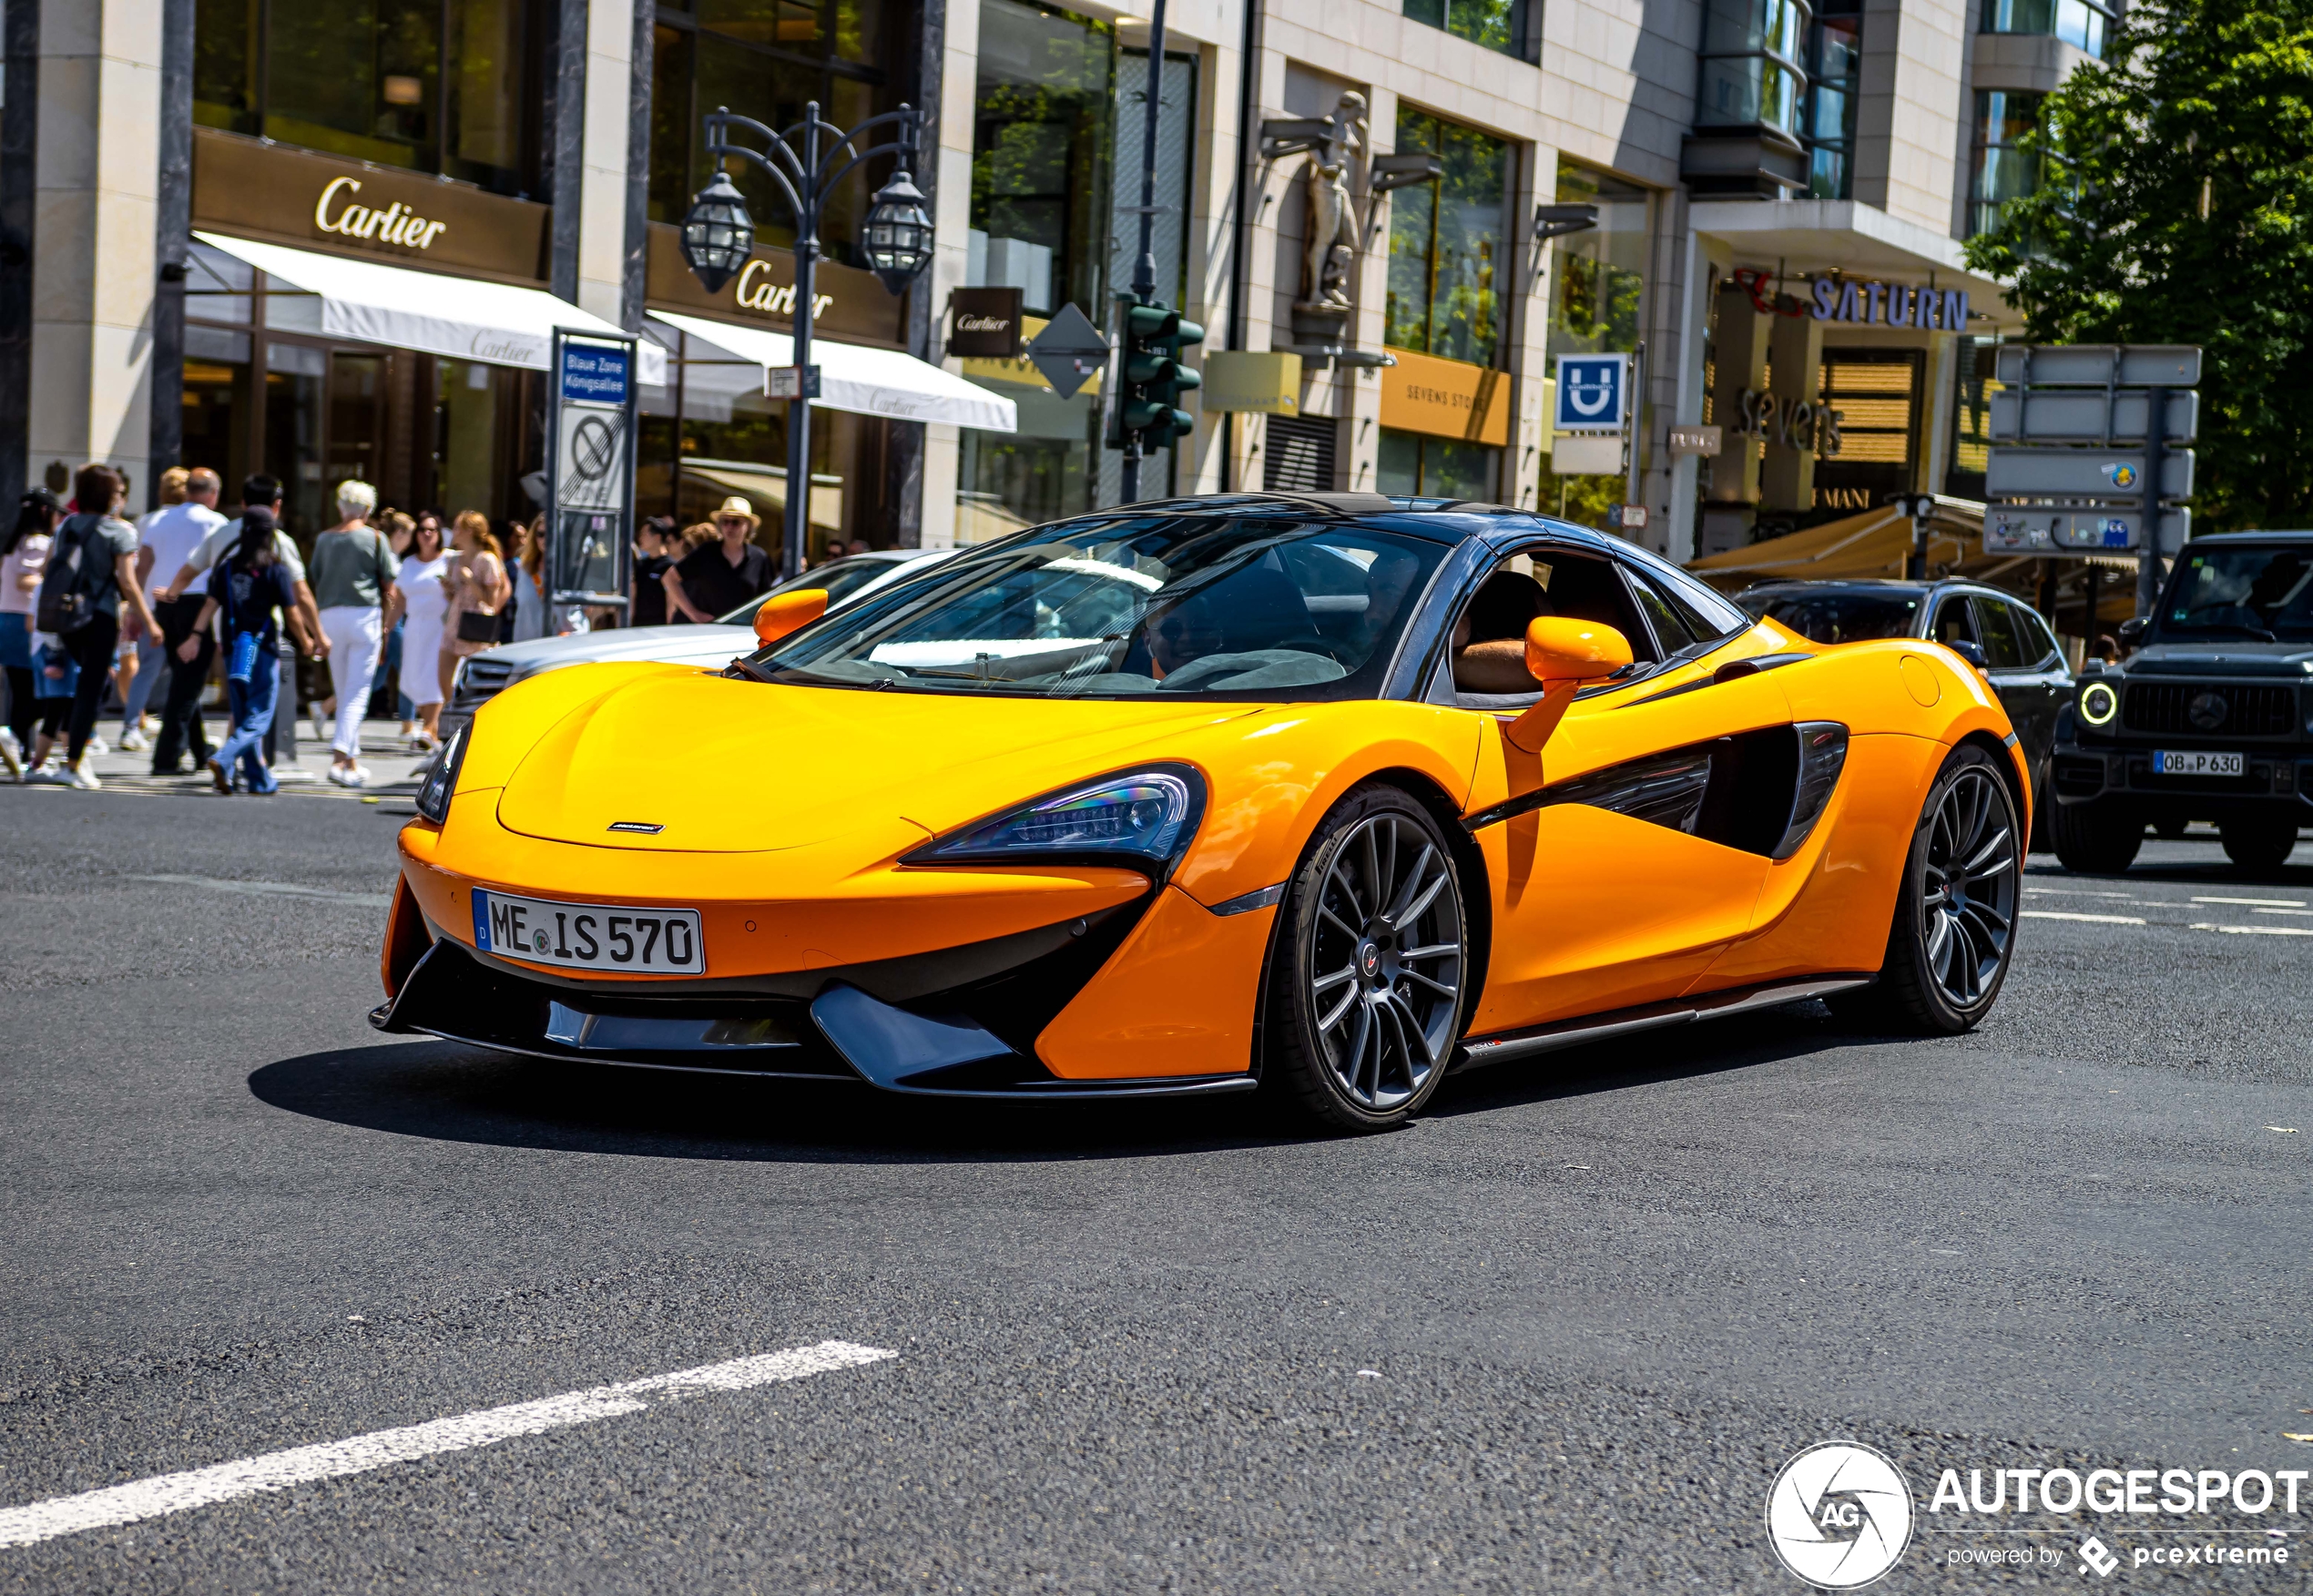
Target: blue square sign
[(1594, 393), (594, 374)]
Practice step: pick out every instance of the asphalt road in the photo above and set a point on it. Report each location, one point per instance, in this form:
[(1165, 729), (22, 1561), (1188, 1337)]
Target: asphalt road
[(1560, 1334)]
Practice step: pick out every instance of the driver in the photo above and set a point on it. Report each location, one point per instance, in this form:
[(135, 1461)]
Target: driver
[(1180, 633)]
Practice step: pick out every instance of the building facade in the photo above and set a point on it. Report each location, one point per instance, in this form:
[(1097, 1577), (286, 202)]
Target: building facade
[(1392, 217)]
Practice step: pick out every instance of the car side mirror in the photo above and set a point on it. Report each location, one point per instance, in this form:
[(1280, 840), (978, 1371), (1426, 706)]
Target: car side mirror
[(2132, 631), (1971, 652), (788, 612), (1562, 654)]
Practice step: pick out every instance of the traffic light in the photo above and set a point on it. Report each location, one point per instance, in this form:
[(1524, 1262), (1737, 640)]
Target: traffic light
[(1148, 401)]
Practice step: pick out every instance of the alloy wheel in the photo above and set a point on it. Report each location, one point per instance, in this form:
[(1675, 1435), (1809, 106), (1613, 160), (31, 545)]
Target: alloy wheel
[(1385, 961), (1968, 897)]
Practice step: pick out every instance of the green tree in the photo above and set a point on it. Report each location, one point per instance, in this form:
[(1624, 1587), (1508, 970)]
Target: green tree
[(2178, 208)]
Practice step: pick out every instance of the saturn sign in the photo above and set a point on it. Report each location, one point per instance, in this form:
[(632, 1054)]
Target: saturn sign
[(1594, 393)]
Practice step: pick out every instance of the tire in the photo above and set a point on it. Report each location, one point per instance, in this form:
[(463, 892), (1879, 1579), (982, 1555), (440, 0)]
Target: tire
[(2258, 847), (2094, 840), (1366, 998), (1953, 935)]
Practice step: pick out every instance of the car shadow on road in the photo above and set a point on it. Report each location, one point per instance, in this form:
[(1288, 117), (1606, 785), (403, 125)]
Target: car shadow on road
[(439, 1090), (1717, 1047), (446, 1093)]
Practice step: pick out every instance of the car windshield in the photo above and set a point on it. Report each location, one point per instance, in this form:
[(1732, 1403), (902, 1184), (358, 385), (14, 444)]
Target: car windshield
[(1838, 617), (2265, 593), (1255, 607)]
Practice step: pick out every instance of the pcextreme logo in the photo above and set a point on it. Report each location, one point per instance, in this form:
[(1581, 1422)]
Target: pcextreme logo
[(1839, 1515)]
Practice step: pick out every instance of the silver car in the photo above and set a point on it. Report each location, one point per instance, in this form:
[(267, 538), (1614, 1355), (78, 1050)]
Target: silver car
[(482, 677)]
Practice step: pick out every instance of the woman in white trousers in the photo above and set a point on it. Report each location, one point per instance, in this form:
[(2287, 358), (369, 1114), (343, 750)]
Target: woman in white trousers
[(352, 573)]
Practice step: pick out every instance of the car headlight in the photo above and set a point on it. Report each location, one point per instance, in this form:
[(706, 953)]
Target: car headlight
[(442, 781), (2098, 704), (1144, 817)]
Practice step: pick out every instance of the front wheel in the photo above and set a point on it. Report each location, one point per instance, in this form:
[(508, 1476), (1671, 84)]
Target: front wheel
[(1365, 992), (1955, 915), (2258, 847), (2094, 839)]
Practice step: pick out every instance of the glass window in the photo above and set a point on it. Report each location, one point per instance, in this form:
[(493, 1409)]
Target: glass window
[(764, 59), (2079, 22), (1255, 608), (1971, 417), (2039, 637), (2002, 171), (1719, 616), (1835, 81), (2262, 593), (2004, 648), (1416, 467), (1752, 74), (1498, 24), (1448, 239), (1598, 276), (1835, 617), (445, 87), (1950, 624)]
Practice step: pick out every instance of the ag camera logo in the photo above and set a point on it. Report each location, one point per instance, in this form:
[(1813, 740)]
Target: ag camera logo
[(1839, 1515)]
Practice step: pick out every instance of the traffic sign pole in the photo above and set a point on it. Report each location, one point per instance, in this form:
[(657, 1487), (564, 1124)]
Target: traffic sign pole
[(2148, 556)]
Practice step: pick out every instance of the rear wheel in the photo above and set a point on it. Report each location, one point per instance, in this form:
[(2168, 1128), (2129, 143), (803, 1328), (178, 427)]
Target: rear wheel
[(1365, 995), (2258, 847), (1955, 916), (2093, 840)]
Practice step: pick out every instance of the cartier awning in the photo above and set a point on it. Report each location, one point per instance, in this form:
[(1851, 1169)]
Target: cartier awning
[(495, 322), (870, 382)]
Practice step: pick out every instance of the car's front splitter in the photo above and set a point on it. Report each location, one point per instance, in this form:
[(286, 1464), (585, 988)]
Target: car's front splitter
[(841, 1034)]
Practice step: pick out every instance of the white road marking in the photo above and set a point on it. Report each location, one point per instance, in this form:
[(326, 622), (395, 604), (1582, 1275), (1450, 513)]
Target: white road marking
[(2281, 911), (2095, 919), (2075, 892), (2269, 903), (2257, 930), (200, 1487), (273, 890)]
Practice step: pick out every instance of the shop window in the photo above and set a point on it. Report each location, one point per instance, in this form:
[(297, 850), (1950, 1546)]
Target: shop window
[(446, 87), (1877, 393), (1415, 466), (2079, 22), (2002, 170), (1835, 80), (1971, 417), (765, 59), (1056, 99), (1752, 71), (1447, 244), (1597, 303), (1497, 25)]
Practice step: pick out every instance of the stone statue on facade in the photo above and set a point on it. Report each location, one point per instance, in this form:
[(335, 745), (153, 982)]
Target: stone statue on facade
[(1330, 252)]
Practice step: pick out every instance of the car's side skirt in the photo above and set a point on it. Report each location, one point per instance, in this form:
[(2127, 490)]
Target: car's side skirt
[(1504, 1046)]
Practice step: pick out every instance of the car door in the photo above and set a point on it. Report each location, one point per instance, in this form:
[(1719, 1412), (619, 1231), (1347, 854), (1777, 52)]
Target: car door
[(2019, 669), (1602, 893)]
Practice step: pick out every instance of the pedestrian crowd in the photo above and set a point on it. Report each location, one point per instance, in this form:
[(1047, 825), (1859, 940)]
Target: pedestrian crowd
[(381, 613)]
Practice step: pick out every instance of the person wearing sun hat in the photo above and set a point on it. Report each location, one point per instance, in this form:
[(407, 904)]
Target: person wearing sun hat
[(716, 578)]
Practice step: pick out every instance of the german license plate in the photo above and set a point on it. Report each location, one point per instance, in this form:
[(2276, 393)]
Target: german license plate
[(589, 936), (2198, 762)]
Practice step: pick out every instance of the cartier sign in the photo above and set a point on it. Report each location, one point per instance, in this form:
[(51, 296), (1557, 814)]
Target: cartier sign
[(309, 201), (336, 212), (847, 304)]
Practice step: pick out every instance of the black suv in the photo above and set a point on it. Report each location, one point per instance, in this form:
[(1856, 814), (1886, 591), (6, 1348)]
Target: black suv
[(2211, 719), (2005, 639)]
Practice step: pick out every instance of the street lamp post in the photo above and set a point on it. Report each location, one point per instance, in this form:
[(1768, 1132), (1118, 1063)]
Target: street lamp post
[(806, 161)]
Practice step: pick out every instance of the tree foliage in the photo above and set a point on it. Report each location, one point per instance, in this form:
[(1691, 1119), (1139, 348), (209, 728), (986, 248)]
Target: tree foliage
[(2179, 209)]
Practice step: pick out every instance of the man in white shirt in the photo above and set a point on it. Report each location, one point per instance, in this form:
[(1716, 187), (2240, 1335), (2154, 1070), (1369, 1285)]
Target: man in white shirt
[(168, 538), (280, 737)]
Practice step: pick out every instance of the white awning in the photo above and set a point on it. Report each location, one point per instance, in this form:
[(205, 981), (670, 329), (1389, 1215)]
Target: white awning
[(870, 382), (461, 317)]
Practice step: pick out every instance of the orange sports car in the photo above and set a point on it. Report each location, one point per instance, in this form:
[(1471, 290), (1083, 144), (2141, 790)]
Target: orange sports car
[(1325, 794)]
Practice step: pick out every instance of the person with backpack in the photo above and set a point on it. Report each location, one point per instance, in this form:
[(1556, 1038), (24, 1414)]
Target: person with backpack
[(90, 578), (351, 574), (249, 592)]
